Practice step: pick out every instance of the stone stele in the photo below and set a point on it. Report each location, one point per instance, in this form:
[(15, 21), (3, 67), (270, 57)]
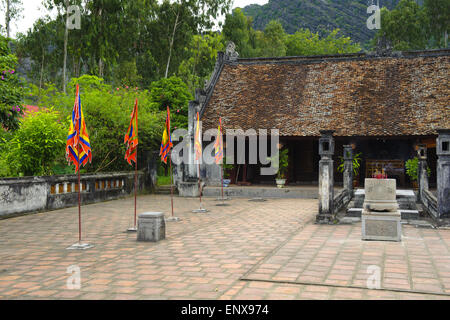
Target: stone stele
[(381, 217), (151, 227)]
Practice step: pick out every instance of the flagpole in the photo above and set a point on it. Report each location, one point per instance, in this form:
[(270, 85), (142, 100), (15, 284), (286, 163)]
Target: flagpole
[(198, 156), (171, 182), (135, 113), (81, 125), (199, 185), (221, 178), (135, 189), (79, 190), (136, 168)]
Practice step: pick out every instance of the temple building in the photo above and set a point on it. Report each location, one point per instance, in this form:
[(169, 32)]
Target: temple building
[(383, 105)]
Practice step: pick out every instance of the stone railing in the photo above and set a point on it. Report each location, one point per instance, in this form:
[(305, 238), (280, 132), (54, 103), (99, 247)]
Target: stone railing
[(429, 202), (341, 200), (33, 194)]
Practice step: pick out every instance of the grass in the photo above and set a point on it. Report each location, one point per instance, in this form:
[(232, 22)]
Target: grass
[(163, 180)]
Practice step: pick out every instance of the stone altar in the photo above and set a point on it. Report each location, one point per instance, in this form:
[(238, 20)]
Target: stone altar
[(381, 216), (151, 227)]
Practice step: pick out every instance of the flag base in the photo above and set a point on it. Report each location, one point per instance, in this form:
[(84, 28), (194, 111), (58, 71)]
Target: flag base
[(223, 204), (201, 210), (257, 199), (134, 229), (224, 199), (173, 219), (80, 246)]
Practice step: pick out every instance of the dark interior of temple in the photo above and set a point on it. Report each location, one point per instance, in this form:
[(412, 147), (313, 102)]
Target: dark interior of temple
[(388, 153)]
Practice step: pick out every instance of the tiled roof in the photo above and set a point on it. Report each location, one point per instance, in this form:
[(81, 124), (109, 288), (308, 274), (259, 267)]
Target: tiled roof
[(356, 95)]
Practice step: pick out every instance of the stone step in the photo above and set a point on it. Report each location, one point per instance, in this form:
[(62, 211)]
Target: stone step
[(165, 190), (266, 192), (406, 214)]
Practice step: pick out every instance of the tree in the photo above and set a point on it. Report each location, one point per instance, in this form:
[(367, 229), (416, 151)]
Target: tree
[(238, 29), (438, 12), (202, 13), (12, 8), (202, 55), (173, 93), (11, 91), (62, 7), (405, 26), (306, 43), (40, 51), (274, 40), (36, 44)]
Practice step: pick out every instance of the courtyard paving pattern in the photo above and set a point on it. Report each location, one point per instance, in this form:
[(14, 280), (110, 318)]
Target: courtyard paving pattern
[(248, 250)]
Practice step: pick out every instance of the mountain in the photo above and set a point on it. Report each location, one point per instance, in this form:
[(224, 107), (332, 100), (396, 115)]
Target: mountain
[(318, 15)]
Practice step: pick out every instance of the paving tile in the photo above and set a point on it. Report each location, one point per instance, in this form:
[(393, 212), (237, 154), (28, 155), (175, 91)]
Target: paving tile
[(205, 256)]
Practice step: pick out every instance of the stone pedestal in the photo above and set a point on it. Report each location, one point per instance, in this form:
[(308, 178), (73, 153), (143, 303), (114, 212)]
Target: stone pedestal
[(422, 174), (189, 189), (381, 217), (326, 178), (443, 173), (348, 169), (151, 227)]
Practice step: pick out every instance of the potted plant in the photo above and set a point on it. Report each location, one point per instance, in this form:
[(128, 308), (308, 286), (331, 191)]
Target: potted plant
[(356, 166), (412, 166), (226, 174), (281, 161)]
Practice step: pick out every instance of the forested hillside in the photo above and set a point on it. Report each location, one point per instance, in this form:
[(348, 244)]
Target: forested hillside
[(318, 15)]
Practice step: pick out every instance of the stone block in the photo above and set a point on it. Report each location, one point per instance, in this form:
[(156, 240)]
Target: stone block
[(151, 227), (189, 189), (381, 226), (380, 195)]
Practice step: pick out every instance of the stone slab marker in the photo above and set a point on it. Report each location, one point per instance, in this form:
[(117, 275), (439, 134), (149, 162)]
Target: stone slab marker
[(326, 178), (422, 173), (151, 227), (381, 217), (443, 172), (348, 169)]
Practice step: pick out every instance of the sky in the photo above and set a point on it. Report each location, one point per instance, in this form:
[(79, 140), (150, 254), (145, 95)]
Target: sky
[(34, 10)]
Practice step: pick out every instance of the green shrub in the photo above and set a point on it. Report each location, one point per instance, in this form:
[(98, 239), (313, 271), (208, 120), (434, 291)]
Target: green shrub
[(107, 112), (412, 166), (11, 91), (36, 147)]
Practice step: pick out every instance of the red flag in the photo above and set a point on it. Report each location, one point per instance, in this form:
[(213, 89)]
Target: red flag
[(78, 138), (131, 138), (198, 140), (166, 143)]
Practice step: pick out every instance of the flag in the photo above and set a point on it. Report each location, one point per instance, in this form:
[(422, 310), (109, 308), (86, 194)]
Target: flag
[(131, 138), (198, 140), (218, 145), (166, 143), (78, 138)]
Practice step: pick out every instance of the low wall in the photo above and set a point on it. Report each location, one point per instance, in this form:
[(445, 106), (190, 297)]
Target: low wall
[(32, 194)]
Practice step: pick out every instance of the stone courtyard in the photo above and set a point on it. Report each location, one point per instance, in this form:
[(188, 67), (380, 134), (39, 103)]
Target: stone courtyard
[(248, 250)]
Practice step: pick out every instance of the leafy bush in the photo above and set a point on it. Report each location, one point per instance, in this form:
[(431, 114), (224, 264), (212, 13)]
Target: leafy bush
[(412, 166), (107, 112), (280, 161), (172, 92), (36, 146), (356, 164), (11, 91)]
